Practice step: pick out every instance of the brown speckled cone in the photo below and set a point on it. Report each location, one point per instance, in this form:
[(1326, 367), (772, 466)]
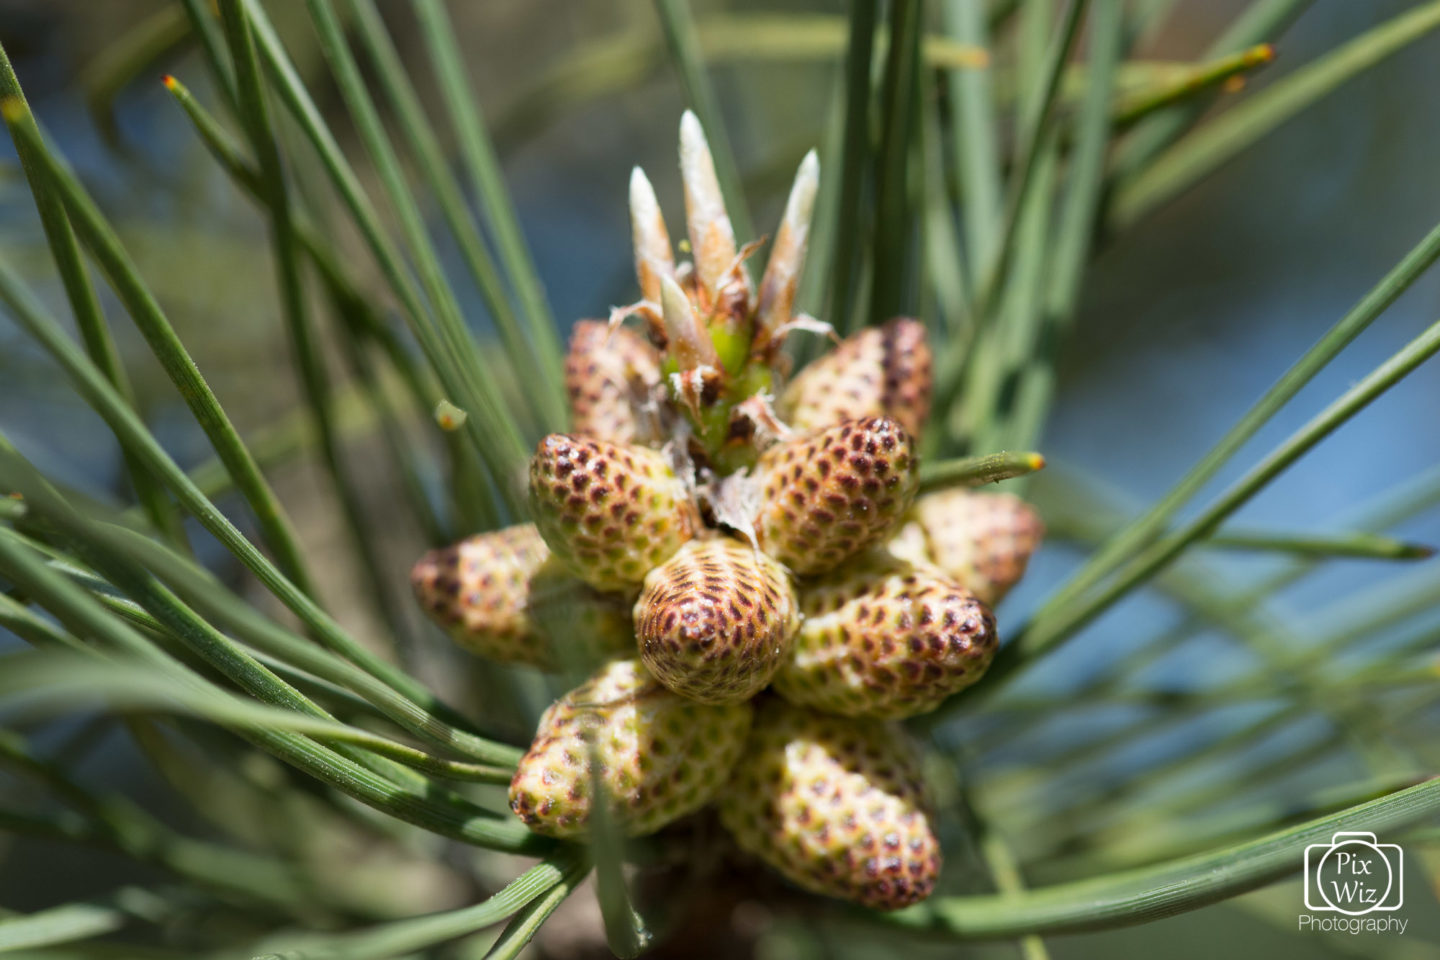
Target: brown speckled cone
[(886, 639), (982, 540), (609, 378), (830, 496), (716, 620), (502, 596), (609, 511), (836, 805), (661, 756), (880, 371)]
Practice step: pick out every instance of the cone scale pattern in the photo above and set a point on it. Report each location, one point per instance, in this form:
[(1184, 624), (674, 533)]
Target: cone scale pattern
[(502, 596), (886, 639), (610, 379), (883, 371), (716, 620), (732, 543), (981, 540), (659, 755), (830, 496), (609, 511), (835, 805)]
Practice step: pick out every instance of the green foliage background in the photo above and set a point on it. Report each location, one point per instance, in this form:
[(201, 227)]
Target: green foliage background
[(222, 683)]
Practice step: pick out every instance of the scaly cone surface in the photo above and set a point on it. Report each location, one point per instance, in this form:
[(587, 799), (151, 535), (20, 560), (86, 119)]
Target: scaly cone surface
[(611, 379), (983, 540), (830, 496), (884, 638), (880, 372), (835, 805), (660, 755), (608, 511), (715, 621), (502, 596), (773, 544)]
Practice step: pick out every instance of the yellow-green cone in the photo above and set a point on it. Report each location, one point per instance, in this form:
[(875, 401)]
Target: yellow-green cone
[(610, 512), (660, 756), (982, 540), (502, 596), (716, 620), (880, 371), (886, 639), (834, 804), (829, 496), (611, 377)]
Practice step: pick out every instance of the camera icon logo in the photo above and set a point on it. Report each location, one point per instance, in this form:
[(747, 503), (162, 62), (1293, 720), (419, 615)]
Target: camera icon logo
[(1354, 875)]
